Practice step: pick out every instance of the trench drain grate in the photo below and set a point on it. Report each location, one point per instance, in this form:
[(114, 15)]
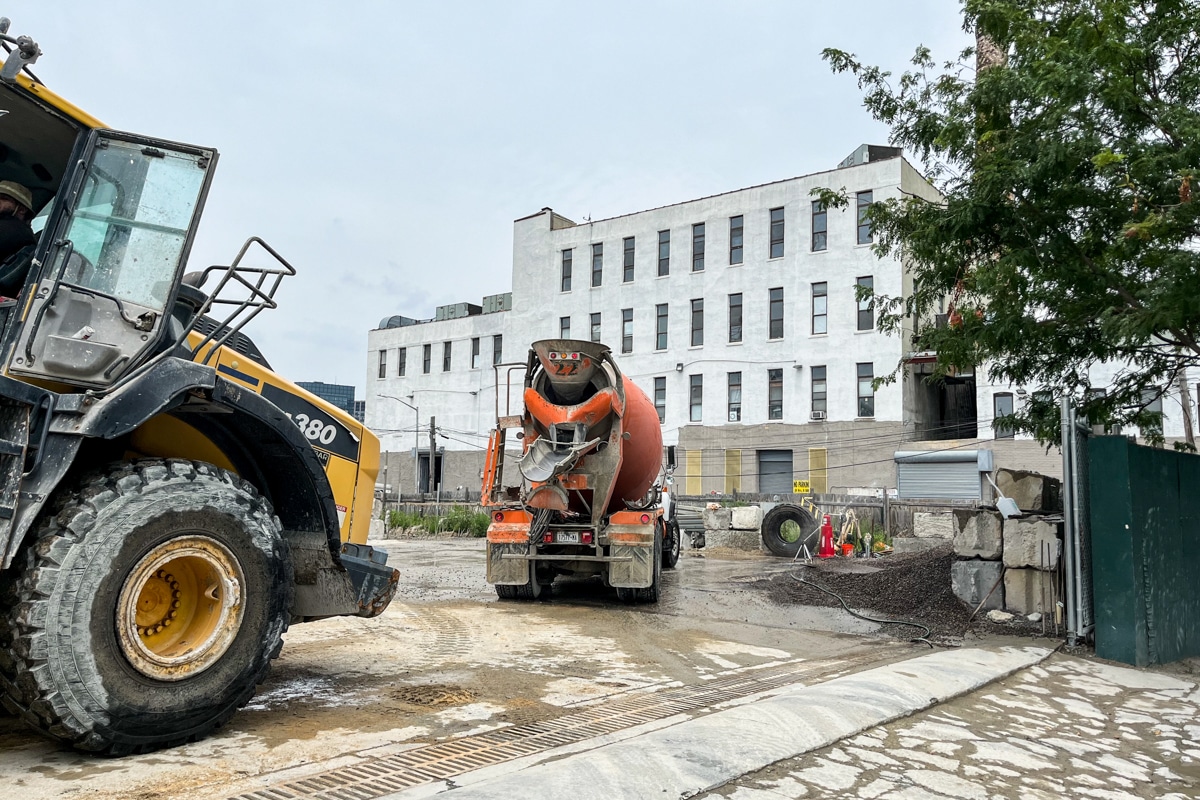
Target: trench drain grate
[(432, 763)]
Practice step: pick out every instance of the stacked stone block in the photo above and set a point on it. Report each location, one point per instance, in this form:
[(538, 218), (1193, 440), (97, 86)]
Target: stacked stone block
[(737, 528), (1014, 560)]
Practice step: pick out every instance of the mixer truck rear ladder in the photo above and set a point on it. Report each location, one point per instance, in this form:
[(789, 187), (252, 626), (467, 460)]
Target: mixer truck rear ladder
[(587, 502)]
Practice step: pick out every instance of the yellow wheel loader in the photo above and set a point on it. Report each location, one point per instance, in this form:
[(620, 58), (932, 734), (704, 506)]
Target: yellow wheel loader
[(168, 504)]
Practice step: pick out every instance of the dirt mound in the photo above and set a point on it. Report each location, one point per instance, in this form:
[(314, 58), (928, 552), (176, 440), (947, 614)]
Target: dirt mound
[(913, 587)]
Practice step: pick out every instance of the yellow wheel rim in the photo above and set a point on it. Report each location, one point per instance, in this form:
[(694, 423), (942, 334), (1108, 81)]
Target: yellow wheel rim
[(180, 608)]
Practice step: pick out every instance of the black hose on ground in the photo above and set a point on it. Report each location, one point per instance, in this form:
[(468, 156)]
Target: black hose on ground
[(838, 597)]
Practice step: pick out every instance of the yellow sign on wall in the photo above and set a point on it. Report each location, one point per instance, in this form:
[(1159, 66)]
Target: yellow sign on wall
[(800, 487)]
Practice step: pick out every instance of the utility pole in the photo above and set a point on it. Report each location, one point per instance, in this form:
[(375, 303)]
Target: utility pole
[(433, 481), (1185, 399)]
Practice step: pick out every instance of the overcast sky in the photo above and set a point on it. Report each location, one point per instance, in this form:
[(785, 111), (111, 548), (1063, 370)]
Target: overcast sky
[(385, 148)]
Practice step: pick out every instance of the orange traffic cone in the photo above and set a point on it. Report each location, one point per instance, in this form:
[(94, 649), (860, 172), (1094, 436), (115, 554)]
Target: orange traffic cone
[(826, 550)]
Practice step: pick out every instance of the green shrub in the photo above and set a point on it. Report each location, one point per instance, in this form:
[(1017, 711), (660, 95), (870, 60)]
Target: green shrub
[(405, 519), (462, 520)]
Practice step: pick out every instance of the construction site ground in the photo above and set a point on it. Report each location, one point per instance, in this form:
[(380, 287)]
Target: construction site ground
[(736, 682)]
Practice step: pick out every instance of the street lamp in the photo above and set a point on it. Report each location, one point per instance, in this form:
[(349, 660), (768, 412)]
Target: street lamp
[(416, 443)]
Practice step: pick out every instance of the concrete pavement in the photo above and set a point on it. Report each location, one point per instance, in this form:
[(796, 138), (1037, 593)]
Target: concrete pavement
[(698, 754)]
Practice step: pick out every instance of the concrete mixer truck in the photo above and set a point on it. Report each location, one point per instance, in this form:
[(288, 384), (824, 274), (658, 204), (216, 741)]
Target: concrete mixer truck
[(585, 497)]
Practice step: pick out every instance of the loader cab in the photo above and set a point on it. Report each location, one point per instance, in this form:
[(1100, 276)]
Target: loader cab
[(116, 216)]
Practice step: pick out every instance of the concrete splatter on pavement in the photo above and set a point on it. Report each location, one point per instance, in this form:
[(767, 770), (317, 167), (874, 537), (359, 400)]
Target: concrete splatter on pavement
[(1067, 728)]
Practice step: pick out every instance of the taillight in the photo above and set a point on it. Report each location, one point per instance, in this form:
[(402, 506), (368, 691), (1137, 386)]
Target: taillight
[(587, 537), (498, 516), (645, 519), (549, 537)]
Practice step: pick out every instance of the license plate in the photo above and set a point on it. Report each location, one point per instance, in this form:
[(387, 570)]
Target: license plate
[(567, 537)]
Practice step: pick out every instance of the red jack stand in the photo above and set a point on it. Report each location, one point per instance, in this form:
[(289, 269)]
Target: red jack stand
[(826, 550)]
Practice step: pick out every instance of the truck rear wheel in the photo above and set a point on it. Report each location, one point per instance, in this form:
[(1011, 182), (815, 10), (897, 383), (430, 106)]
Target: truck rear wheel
[(149, 607), (650, 593), (673, 544)]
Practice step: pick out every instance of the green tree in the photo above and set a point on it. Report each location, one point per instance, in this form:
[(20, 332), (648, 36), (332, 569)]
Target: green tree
[(1068, 236)]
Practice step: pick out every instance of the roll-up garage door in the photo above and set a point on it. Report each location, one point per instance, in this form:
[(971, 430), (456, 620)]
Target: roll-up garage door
[(775, 471), (941, 474)]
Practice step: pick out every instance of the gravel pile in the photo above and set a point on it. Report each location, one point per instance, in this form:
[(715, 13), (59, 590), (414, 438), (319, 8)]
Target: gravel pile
[(913, 587)]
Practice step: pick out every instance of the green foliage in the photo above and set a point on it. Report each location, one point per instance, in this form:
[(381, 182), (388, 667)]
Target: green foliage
[(462, 520), (404, 519), (1067, 236)]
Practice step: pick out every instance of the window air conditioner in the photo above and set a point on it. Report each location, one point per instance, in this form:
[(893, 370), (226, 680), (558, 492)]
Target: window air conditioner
[(817, 415)]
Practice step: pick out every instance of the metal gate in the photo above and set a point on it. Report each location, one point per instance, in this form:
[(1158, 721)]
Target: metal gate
[(1077, 535)]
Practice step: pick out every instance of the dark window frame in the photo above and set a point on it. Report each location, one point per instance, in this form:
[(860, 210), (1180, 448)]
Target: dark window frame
[(383, 363), (447, 356), (626, 330), (865, 371), (820, 320), (697, 319), (597, 264), (660, 398), (866, 308), (497, 348), (820, 227), (564, 327), (737, 239), (863, 202), (628, 259), (999, 430), (736, 322), (695, 398), (819, 377), (402, 366), (564, 280), (661, 312), (698, 247), (594, 323), (474, 352), (664, 253), (775, 393), (775, 313), (426, 359), (734, 381), (777, 233)]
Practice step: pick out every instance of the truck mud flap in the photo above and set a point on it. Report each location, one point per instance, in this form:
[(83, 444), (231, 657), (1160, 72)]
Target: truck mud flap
[(508, 571), (635, 573), (374, 581)]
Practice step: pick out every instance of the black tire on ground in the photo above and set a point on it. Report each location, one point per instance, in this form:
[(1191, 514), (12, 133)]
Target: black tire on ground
[(673, 544), (528, 591), (786, 527), (81, 667)]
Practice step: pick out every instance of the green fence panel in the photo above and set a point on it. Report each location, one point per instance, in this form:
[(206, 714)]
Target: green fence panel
[(1145, 523)]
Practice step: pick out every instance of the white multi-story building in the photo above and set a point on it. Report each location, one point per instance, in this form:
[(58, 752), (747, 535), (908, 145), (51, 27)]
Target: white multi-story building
[(735, 313)]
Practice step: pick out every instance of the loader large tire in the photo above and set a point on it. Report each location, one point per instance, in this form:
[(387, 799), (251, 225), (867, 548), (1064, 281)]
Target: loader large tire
[(786, 528), (149, 606)]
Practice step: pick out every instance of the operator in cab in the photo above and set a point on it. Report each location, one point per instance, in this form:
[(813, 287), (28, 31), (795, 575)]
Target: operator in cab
[(16, 210)]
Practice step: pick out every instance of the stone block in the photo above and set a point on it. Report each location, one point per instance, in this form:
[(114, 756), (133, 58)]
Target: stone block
[(746, 518), (377, 530), (911, 544), (1031, 542), (978, 534), (933, 525), (1027, 591), (973, 580), (717, 519), (733, 539), (1031, 491)]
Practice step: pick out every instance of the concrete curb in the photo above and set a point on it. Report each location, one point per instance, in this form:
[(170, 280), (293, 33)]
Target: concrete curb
[(701, 754)]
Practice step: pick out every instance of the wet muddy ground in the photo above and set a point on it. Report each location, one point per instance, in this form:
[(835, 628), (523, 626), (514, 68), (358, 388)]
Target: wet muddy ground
[(448, 659)]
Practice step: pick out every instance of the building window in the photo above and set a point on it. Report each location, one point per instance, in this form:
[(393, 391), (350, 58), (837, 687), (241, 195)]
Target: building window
[(735, 397), (565, 281), (818, 390), (564, 327), (597, 263), (664, 253), (735, 317), (697, 322), (820, 308), (735, 240), (1002, 406), (776, 314), (1152, 403), (660, 326), (596, 327), (446, 350), (426, 358), (497, 349), (866, 308), (775, 394), (475, 352), (695, 397), (403, 353), (864, 224), (776, 233), (866, 390), (660, 398), (698, 247), (626, 330), (627, 275), (820, 223), (383, 363)]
